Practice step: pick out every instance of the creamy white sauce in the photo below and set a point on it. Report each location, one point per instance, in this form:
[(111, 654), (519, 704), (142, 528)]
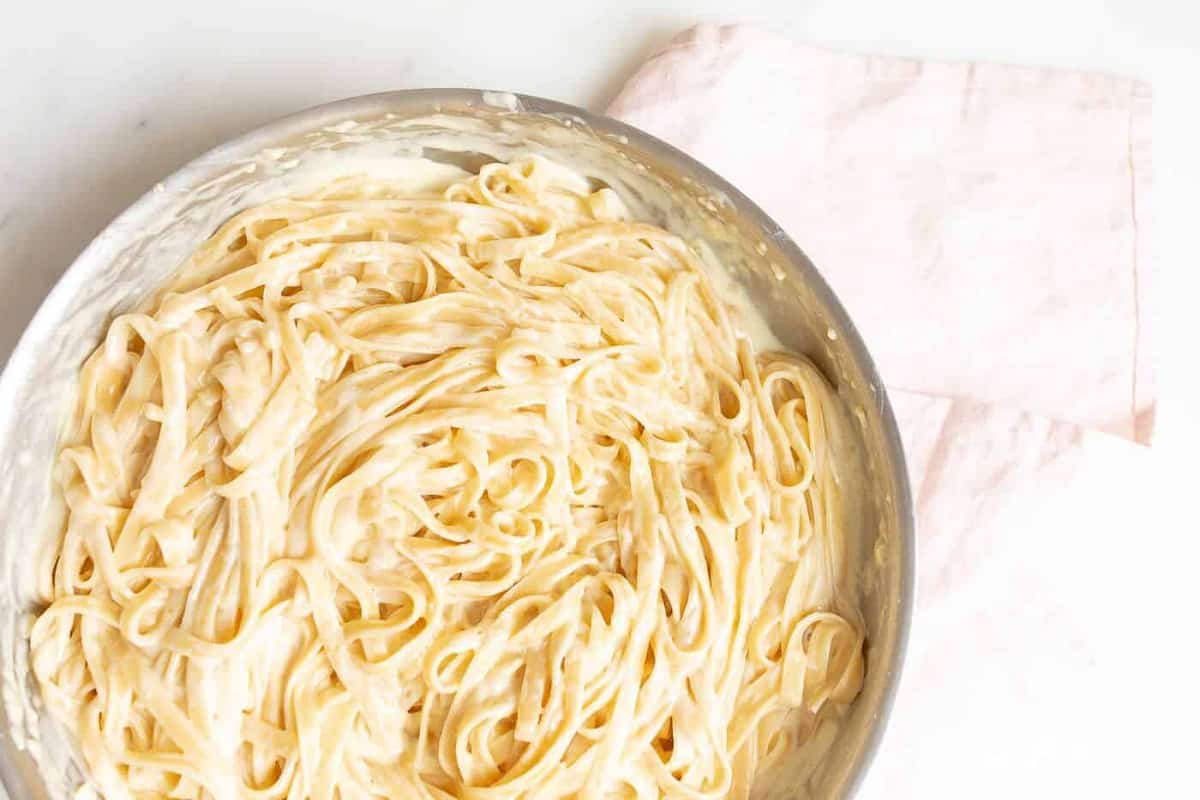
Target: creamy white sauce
[(505, 100)]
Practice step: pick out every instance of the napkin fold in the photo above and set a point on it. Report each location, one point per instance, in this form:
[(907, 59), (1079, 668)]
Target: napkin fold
[(987, 228)]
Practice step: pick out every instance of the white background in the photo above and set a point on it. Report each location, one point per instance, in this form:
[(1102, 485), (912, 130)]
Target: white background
[(99, 100)]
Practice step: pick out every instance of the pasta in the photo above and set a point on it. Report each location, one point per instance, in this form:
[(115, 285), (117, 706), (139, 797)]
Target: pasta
[(474, 491)]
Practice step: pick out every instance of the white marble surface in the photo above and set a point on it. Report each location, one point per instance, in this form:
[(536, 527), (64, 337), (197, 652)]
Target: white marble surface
[(102, 99)]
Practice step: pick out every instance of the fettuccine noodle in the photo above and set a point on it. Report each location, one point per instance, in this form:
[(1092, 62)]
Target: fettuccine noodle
[(469, 492)]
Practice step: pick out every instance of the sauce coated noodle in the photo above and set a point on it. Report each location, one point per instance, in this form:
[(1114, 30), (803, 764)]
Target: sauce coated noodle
[(471, 492)]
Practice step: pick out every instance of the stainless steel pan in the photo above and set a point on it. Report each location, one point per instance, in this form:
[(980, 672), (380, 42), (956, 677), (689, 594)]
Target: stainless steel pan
[(142, 246)]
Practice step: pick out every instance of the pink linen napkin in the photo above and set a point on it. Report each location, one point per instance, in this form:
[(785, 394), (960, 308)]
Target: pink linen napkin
[(987, 228)]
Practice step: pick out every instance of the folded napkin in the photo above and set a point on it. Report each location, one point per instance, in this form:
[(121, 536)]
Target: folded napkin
[(987, 228)]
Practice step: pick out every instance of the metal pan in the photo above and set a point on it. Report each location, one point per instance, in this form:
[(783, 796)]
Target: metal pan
[(139, 249)]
